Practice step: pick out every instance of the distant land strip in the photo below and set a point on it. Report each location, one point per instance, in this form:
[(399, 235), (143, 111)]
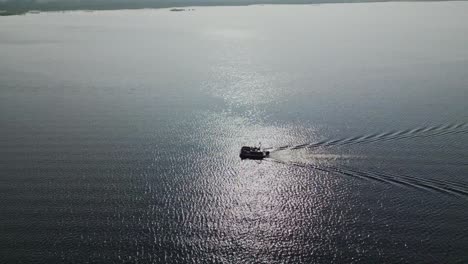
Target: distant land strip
[(17, 7)]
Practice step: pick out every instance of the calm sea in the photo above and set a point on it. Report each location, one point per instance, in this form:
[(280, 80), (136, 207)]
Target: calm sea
[(120, 133)]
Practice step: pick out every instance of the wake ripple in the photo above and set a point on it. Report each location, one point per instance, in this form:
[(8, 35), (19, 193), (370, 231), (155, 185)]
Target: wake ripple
[(420, 132), (442, 186)]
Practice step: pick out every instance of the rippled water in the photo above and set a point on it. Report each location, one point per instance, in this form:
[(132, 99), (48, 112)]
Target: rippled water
[(120, 134)]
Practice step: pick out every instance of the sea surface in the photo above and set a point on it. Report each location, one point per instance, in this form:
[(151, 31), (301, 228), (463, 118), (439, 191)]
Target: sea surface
[(120, 134)]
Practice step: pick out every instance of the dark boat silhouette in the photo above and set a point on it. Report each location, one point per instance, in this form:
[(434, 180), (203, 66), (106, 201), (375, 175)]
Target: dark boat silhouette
[(253, 153)]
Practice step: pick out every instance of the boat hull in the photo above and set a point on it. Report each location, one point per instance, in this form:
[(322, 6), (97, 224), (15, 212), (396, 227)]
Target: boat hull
[(254, 155)]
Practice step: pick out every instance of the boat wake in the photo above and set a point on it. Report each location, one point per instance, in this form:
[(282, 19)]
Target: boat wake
[(443, 186), (420, 132), (322, 161)]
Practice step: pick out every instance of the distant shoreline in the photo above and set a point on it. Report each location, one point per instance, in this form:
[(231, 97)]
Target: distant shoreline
[(8, 9)]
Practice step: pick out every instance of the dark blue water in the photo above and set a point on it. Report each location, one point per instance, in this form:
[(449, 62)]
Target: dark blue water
[(120, 134)]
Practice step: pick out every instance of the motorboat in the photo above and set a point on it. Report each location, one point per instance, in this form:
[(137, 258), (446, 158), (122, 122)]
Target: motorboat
[(253, 153)]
